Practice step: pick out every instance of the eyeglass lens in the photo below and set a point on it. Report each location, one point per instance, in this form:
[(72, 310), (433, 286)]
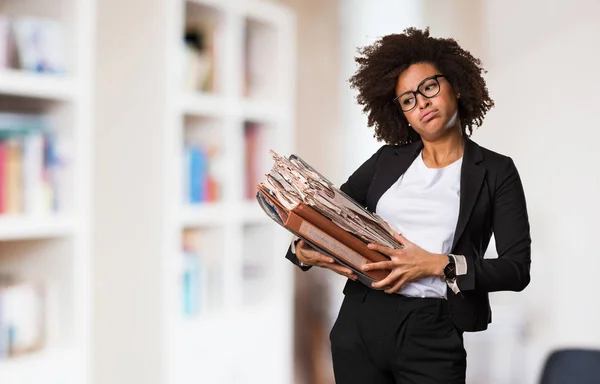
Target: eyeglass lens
[(428, 88)]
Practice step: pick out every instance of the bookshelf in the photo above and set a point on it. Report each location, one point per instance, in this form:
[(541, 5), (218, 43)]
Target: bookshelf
[(45, 176), (247, 317), (190, 280)]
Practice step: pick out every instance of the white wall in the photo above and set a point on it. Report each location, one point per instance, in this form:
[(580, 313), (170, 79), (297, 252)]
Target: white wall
[(542, 75)]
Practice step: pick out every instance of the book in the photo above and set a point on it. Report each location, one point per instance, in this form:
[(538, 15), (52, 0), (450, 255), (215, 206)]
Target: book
[(31, 165), (22, 317)]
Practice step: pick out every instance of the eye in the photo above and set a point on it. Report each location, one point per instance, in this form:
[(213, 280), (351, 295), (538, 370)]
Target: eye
[(407, 100), (430, 88)]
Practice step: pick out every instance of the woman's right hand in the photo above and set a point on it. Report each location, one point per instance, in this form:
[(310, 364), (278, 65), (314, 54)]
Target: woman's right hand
[(307, 255)]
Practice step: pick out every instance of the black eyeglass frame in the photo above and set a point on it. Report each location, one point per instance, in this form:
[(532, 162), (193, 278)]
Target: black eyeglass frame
[(434, 77)]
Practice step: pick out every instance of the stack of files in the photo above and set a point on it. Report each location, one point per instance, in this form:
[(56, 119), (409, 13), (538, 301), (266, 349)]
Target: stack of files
[(303, 201)]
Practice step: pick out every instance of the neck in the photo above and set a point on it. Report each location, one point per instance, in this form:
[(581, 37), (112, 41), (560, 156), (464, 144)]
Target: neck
[(445, 150)]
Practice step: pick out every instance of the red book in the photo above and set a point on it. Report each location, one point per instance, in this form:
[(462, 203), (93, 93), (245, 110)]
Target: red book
[(2, 177)]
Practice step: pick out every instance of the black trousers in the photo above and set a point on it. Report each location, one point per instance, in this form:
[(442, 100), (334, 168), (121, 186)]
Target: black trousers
[(381, 338)]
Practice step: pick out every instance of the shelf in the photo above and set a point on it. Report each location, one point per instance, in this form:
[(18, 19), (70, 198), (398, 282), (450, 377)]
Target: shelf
[(261, 11), (252, 213), (203, 215), (201, 323), (34, 85), (204, 324), (265, 12), (49, 367), (216, 4), (262, 110), (218, 106), (20, 227), (203, 105), (217, 213)]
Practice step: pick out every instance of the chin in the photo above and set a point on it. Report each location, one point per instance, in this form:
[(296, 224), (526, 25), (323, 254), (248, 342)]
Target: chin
[(432, 132), (435, 130)]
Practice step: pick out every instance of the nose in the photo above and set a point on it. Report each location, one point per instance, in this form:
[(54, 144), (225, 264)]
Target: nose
[(422, 101)]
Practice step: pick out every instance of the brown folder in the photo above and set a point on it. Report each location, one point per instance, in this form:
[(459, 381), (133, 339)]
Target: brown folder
[(324, 235)]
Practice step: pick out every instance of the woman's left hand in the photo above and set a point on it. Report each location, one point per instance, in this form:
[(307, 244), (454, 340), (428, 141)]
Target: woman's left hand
[(407, 264)]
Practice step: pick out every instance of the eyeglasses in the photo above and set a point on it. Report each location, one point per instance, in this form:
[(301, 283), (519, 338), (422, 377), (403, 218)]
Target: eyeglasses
[(429, 88)]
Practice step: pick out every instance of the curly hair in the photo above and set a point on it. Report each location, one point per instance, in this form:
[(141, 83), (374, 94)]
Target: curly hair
[(380, 64)]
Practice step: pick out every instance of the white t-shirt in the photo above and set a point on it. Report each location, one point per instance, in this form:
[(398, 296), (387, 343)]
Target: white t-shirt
[(423, 205)]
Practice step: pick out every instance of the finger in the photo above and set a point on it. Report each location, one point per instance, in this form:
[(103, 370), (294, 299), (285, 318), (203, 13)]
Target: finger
[(351, 276), (378, 265), (305, 246), (396, 286), (401, 239), (324, 259), (302, 244), (388, 281), (312, 257), (340, 269), (381, 248)]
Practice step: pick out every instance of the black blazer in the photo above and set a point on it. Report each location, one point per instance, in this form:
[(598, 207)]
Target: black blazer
[(491, 200)]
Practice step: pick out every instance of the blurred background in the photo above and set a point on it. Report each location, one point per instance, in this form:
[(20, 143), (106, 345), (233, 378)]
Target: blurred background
[(133, 134)]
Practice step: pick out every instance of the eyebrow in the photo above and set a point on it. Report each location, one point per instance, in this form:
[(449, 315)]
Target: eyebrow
[(411, 89), (403, 93)]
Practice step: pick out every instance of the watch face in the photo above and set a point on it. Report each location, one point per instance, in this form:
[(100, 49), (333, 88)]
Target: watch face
[(450, 270)]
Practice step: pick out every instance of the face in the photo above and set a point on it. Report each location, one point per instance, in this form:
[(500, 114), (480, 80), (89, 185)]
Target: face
[(431, 117)]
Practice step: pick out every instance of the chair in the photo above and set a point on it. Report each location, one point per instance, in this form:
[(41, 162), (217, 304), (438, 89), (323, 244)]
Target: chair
[(572, 366)]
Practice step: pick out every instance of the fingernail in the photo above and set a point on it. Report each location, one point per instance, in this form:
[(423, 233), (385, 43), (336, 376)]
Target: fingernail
[(365, 267), (370, 245)]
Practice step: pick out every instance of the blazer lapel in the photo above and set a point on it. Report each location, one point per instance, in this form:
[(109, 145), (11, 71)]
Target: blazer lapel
[(471, 180), (403, 157)]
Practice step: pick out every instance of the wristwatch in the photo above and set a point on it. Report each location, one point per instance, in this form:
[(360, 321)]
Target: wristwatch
[(450, 268)]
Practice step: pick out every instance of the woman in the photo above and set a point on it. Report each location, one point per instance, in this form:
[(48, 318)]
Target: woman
[(446, 195)]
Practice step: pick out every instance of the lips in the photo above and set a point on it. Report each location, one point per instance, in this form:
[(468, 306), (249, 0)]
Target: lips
[(429, 115)]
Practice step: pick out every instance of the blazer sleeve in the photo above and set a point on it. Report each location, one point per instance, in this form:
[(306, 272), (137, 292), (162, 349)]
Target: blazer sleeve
[(510, 225), (355, 187)]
